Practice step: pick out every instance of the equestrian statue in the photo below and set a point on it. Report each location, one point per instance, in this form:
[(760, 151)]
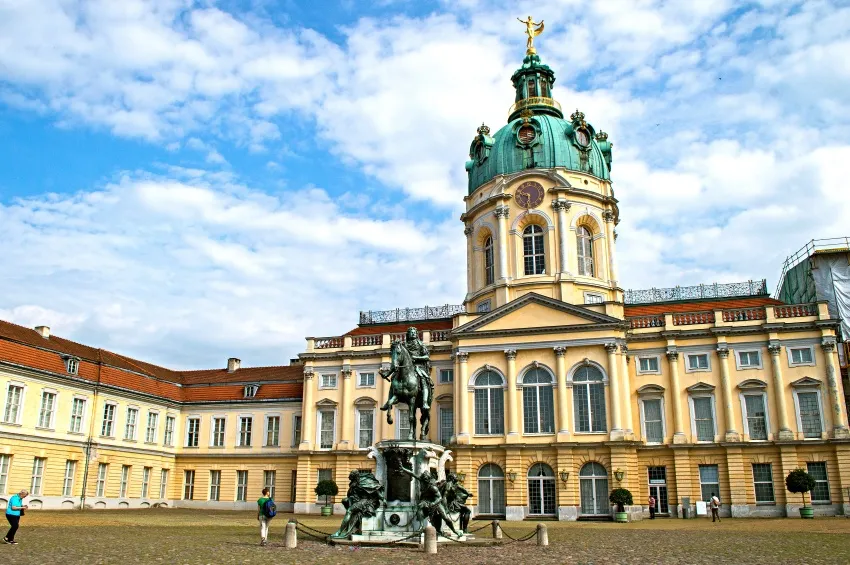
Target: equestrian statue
[(410, 382)]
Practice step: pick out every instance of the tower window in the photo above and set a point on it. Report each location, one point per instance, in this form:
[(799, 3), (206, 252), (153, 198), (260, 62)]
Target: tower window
[(489, 269), (585, 251), (532, 245), (532, 88)]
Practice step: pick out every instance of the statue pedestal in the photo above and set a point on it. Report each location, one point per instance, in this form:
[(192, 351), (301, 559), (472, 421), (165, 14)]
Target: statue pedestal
[(397, 520)]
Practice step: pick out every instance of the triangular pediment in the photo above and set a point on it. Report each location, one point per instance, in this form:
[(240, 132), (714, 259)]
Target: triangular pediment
[(806, 382), (536, 311), (700, 387)]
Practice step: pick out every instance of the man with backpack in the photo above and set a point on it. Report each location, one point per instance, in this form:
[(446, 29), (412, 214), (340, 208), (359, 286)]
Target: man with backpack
[(266, 510), (714, 504)]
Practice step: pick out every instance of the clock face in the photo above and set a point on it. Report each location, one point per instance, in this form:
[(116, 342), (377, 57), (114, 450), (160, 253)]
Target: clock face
[(529, 194)]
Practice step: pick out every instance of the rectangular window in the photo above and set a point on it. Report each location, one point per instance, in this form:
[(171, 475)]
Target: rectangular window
[(484, 306), (756, 416), (648, 364), (241, 486), (68, 483), (269, 478), (48, 407), (272, 431), (709, 481), (150, 431), (328, 381), (188, 485), (245, 425), (296, 430), (366, 379), (12, 412), (447, 376), (37, 475), (703, 418), (749, 359), (193, 432), (102, 469), (763, 482), (801, 355), (78, 407), (168, 440), (698, 362), (652, 420), (215, 484), (219, 426), (146, 481), (447, 424), (5, 462), (106, 429), (326, 429), (810, 414), (403, 423), (130, 427), (125, 481), (817, 470), (366, 429), (592, 298), (163, 483)]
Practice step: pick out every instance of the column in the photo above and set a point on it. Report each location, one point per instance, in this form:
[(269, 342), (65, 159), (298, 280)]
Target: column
[(470, 263), (616, 401), (502, 213), (308, 414), (839, 422), (561, 376), (561, 208), (676, 396), (608, 217), (513, 425), (627, 393), (462, 397), (684, 482), (739, 483), (726, 390), (789, 461), (785, 432), (346, 429)]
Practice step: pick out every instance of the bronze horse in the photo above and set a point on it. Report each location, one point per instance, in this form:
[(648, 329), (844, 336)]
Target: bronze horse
[(406, 388)]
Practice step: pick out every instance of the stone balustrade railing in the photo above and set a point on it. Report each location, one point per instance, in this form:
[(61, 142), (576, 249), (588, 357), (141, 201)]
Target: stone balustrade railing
[(729, 316), (372, 340)]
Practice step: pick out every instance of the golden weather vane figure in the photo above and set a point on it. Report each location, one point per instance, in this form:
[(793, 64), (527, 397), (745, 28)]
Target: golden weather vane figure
[(532, 30)]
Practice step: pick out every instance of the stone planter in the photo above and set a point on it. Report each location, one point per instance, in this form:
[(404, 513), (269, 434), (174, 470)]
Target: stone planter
[(807, 512), (327, 510), (621, 516)]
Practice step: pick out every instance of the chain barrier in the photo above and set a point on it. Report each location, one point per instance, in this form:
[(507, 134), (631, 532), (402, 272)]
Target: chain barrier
[(514, 540), (487, 525), (313, 529)]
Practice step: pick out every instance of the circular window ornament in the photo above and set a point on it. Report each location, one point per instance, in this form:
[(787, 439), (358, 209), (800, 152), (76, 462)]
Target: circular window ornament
[(582, 137), (526, 134), (395, 519)]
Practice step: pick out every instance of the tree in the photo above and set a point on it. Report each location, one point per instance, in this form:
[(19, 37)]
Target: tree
[(327, 488), (801, 482), (621, 497)]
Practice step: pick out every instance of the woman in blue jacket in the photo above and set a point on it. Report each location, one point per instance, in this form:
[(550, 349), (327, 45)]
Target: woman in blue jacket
[(14, 510)]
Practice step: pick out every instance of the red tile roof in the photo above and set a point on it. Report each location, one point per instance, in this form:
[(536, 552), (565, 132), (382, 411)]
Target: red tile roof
[(697, 306)]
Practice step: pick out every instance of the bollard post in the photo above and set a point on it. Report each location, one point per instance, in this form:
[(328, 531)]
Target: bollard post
[(497, 530), (430, 539), (290, 537), (542, 535)]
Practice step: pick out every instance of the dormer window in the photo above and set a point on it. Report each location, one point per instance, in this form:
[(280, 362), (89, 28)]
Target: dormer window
[(251, 390), (72, 364)]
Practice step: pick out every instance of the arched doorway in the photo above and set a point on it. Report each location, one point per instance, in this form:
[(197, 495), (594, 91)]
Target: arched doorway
[(541, 490), (593, 481), (491, 490)]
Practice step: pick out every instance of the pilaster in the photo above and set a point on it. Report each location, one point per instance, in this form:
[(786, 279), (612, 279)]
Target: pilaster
[(463, 436), (567, 495), (627, 394), (502, 213), (470, 283), (836, 400), (308, 417), (563, 407), (739, 482), (784, 433), (614, 385), (346, 429), (726, 390), (676, 396), (788, 461), (608, 217), (513, 418), (684, 480), (561, 208), (515, 506)]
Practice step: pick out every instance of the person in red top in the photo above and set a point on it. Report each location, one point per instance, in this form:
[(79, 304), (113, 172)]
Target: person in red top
[(651, 507)]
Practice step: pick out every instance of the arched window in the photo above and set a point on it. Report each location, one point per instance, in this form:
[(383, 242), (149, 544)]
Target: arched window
[(489, 267), (541, 490), (489, 404), (589, 399), (593, 484), (538, 409), (532, 248), (491, 489), (585, 251)]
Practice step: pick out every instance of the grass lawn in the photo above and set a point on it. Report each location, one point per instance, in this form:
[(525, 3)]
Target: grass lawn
[(174, 536)]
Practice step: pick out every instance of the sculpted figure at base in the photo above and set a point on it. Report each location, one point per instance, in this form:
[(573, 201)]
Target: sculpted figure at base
[(456, 496), (365, 495), (410, 382), (431, 503)]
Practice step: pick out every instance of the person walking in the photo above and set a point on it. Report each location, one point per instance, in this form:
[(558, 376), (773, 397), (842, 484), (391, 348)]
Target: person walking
[(266, 510), (14, 511), (715, 507), (651, 507)]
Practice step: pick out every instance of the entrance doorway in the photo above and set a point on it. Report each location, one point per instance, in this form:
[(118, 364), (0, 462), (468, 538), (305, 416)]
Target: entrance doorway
[(593, 483), (658, 488), (541, 490)]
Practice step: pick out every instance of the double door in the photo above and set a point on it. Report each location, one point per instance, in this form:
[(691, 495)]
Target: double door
[(658, 488)]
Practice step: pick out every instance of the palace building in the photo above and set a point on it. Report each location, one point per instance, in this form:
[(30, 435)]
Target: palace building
[(553, 385)]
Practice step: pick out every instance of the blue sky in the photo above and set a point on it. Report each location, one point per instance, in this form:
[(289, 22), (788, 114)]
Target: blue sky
[(188, 181)]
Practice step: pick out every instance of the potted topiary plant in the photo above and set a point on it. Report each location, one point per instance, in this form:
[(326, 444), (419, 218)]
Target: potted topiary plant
[(801, 482), (621, 497), (327, 488)]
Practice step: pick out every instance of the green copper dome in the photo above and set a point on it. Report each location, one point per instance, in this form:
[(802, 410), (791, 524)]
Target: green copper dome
[(537, 136)]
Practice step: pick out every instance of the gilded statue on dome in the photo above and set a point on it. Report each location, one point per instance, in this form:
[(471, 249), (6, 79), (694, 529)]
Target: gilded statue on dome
[(532, 30)]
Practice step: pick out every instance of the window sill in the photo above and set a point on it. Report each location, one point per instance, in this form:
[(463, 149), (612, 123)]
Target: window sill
[(792, 365), (150, 443), (820, 502), (216, 447), (190, 447), (365, 386), (273, 446), (106, 437), (765, 503), (748, 368), (243, 446), (328, 388), (75, 433), (45, 429), (487, 435), (11, 424), (128, 440), (697, 370), (642, 373), (538, 434), (591, 433)]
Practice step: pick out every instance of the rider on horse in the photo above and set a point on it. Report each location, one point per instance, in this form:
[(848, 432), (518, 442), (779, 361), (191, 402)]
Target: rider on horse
[(422, 361)]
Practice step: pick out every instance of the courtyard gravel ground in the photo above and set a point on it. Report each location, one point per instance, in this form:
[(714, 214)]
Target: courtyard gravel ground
[(177, 536)]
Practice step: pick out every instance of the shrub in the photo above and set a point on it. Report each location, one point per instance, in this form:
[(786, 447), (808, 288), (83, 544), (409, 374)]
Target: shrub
[(327, 488), (799, 481), (621, 497)]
